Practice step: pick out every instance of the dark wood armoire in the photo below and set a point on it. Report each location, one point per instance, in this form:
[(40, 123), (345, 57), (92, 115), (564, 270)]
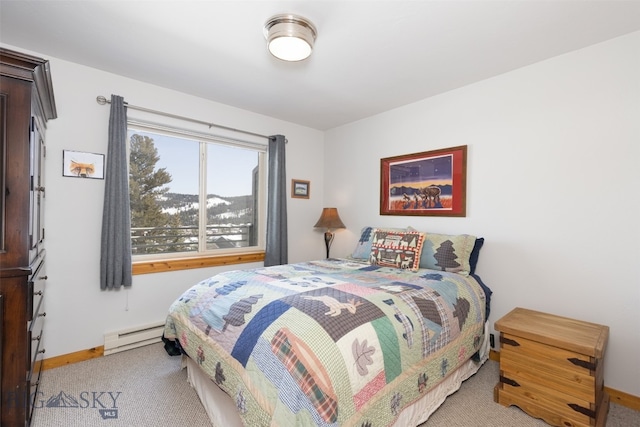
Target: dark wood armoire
[(26, 104)]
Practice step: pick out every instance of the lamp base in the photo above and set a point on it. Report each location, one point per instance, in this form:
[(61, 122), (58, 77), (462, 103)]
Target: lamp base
[(328, 238)]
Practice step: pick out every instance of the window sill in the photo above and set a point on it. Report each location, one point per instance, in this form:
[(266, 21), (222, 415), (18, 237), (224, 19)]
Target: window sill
[(160, 266)]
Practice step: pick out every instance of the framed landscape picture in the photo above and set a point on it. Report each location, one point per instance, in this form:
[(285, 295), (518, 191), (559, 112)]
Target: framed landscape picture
[(300, 189), (431, 183)]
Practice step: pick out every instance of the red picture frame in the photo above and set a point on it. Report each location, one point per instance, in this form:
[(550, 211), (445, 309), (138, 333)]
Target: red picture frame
[(431, 183)]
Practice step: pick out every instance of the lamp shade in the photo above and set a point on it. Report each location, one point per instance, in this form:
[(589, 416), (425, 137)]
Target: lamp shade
[(289, 37), (330, 219)]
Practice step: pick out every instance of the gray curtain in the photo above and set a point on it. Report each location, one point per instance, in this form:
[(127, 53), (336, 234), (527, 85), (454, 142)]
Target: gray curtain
[(276, 252), (115, 249)]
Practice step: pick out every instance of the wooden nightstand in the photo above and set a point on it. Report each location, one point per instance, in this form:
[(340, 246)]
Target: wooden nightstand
[(552, 368)]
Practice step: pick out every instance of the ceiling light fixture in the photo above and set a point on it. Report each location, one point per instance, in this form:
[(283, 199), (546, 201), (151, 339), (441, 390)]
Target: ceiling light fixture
[(290, 37)]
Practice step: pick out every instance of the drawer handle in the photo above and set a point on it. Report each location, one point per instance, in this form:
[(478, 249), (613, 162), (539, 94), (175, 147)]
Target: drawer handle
[(582, 363), (37, 338), (509, 341), (42, 314), (43, 277), (37, 293), (509, 381), (42, 351), (588, 412)]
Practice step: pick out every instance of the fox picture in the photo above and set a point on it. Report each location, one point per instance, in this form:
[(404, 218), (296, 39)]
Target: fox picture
[(83, 170)]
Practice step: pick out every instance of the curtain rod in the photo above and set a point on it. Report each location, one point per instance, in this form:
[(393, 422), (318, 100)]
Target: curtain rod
[(102, 101)]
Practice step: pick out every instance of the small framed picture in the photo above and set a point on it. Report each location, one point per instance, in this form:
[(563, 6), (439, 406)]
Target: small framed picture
[(300, 189), (79, 164)]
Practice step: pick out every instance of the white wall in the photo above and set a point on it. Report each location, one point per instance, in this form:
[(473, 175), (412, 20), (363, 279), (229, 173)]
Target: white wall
[(553, 174), (78, 312)]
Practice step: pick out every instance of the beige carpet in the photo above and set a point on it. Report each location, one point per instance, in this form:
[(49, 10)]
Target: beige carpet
[(146, 387)]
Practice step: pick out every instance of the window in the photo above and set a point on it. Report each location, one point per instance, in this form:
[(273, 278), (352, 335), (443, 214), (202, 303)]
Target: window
[(194, 194)]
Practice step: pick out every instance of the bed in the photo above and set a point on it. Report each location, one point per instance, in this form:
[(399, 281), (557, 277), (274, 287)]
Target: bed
[(376, 339)]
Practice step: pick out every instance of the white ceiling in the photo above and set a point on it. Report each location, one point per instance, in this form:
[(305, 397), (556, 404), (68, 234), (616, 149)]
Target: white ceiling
[(370, 56)]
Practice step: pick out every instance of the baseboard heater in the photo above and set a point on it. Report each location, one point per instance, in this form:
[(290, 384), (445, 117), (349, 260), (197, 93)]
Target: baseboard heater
[(126, 339)]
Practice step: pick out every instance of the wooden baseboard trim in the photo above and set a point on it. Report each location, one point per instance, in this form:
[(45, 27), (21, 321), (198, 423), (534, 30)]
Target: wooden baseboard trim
[(623, 399), (619, 397), (68, 359)]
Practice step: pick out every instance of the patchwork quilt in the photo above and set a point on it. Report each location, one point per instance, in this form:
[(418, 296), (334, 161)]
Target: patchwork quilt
[(334, 342)]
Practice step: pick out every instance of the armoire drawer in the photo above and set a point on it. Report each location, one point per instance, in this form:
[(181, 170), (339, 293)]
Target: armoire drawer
[(33, 384), (36, 285), (34, 334)]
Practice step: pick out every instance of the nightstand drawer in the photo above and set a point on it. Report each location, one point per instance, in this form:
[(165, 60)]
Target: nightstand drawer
[(549, 367), (554, 409), (569, 360)]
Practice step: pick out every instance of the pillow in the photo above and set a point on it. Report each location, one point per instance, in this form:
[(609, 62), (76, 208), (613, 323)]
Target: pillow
[(399, 249), (363, 247), (446, 252), (475, 253)]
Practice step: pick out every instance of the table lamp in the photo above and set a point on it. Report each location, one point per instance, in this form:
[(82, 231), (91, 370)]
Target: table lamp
[(329, 219)]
